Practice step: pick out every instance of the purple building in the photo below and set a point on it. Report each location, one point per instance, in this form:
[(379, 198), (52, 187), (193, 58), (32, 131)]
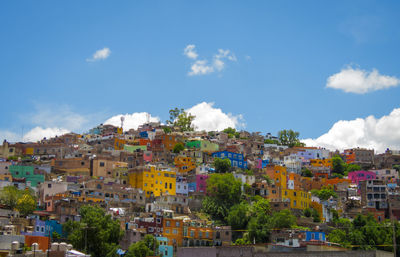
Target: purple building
[(201, 183)]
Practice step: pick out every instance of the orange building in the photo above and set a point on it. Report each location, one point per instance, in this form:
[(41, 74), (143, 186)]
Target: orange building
[(119, 143), (321, 163), (169, 141), (197, 233), (43, 241), (184, 164), (173, 230)]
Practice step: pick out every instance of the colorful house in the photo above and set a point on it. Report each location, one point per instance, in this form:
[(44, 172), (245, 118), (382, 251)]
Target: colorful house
[(202, 145), (153, 180), (32, 175), (163, 248), (361, 175), (237, 159), (201, 183), (184, 164), (321, 163)]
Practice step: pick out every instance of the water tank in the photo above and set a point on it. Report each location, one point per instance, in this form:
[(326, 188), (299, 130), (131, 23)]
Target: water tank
[(35, 246), (54, 246), (69, 246), (63, 247), (15, 245)]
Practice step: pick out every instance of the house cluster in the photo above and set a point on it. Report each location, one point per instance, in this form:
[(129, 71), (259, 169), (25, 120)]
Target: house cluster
[(153, 181)]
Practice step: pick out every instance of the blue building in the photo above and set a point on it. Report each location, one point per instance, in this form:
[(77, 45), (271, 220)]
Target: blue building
[(237, 159), (164, 249), (315, 235)]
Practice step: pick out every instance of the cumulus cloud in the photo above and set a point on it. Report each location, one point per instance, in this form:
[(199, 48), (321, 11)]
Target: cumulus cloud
[(203, 67), (38, 133), (132, 121), (101, 54), (209, 118), (370, 132), (190, 52), (355, 80)]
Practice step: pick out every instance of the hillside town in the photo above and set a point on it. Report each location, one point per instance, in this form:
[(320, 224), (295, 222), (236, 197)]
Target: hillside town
[(169, 190)]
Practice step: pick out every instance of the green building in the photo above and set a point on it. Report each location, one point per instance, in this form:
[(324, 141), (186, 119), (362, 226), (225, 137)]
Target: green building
[(30, 173), (133, 148), (202, 145)]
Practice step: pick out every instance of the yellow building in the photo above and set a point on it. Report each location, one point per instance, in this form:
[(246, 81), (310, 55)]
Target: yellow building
[(184, 164), (153, 180), (119, 143), (298, 199), (321, 163)]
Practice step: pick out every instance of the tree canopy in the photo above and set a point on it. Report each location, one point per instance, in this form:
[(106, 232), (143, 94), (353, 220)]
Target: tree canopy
[(289, 138), (232, 133), (325, 193), (180, 118), (178, 148), (222, 165), (22, 200), (223, 192), (96, 232), (146, 247)]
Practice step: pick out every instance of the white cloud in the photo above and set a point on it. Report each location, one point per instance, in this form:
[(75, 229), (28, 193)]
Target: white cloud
[(132, 121), (354, 80), (200, 67), (203, 67), (101, 54), (378, 133), (190, 52), (38, 133), (213, 119)]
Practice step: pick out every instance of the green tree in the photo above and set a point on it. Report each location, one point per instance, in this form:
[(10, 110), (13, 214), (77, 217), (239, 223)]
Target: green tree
[(306, 173), (315, 215), (222, 165), (146, 247), (9, 196), (338, 165), (231, 132), (352, 167), (96, 232), (238, 216), (289, 138), (271, 141), (223, 192), (26, 204), (283, 219), (242, 241), (178, 148), (167, 130), (307, 212), (396, 167), (180, 118), (325, 193)]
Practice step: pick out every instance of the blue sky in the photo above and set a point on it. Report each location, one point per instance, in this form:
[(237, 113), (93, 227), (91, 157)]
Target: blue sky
[(284, 53)]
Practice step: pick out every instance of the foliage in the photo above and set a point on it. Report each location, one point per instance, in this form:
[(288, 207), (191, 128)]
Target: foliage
[(352, 167), (167, 130), (267, 178), (238, 216), (315, 215), (271, 141), (180, 118), (396, 167), (338, 165), (143, 248), (232, 133), (178, 148), (222, 165), (365, 233), (307, 212), (26, 204), (14, 198), (96, 232), (223, 192), (283, 219), (242, 241), (289, 138), (306, 173), (325, 193), (55, 235)]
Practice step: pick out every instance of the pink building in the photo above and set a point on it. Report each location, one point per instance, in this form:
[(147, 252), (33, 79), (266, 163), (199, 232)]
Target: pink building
[(361, 175), (201, 183)]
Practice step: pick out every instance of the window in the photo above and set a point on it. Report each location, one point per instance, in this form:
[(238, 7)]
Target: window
[(177, 224), (175, 231), (166, 175), (166, 185), (191, 233), (48, 185), (207, 234), (101, 164), (168, 223)]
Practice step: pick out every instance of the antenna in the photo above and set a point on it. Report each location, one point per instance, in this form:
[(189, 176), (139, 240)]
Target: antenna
[(122, 121), (148, 117)]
